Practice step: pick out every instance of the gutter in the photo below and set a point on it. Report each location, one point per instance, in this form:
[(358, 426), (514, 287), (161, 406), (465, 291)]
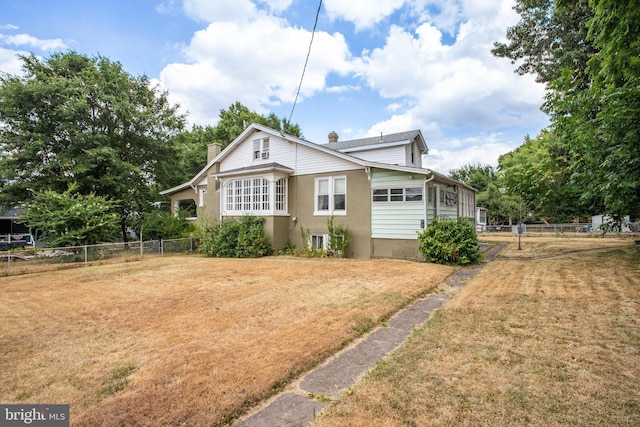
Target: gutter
[(425, 198)]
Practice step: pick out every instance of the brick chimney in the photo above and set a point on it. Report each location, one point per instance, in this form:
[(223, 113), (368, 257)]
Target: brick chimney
[(333, 136), (213, 150)]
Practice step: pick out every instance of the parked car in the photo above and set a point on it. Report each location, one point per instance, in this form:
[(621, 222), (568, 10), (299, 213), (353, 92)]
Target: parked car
[(15, 241)]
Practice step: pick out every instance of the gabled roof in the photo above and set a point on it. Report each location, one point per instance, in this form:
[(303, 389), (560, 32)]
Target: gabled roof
[(374, 142), (254, 127), (421, 171), (12, 213), (353, 145)]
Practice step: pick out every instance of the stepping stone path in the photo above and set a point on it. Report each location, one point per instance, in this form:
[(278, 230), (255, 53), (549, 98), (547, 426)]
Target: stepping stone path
[(298, 407)]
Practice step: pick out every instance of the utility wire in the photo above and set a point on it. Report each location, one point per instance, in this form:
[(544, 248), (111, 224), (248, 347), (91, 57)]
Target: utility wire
[(306, 61)]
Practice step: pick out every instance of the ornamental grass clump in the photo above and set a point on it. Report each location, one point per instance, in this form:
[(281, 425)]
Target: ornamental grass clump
[(449, 242)]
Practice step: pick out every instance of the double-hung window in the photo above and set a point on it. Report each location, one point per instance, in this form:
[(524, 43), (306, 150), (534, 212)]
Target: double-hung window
[(261, 148), (331, 195)]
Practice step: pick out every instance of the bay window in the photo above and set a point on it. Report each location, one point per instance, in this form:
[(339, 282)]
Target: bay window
[(257, 195)]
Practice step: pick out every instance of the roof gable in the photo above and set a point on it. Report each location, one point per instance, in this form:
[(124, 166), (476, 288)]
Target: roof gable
[(376, 142)]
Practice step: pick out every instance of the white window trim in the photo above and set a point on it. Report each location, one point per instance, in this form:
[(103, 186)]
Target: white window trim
[(325, 241), (259, 152), (331, 211), (201, 193), (252, 199)]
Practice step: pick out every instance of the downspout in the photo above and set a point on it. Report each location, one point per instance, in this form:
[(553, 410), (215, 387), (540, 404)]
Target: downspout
[(425, 198), (221, 200)]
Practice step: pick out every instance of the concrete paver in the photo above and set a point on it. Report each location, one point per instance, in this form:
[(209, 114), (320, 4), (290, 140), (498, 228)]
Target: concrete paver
[(298, 407), (288, 410)]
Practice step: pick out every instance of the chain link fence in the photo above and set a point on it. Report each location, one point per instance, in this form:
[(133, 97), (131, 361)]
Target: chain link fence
[(542, 228), (46, 259)]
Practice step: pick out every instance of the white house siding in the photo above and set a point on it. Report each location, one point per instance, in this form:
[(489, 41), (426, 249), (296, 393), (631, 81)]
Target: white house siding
[(466, 203), (396, 220), (442, 210), (417, 157), (303, 161), (391, 155)]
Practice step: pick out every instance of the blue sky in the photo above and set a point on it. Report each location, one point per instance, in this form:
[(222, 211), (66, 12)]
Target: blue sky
[(375, 66)]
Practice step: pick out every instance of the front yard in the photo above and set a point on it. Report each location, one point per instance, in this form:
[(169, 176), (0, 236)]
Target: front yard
[(187, 339)]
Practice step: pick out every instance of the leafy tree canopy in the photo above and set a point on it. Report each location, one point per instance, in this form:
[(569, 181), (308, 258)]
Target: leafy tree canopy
[(541, 178), (191, 145), (477, 176), (73, 218), (75, 119), (588, 53), (235, 119)]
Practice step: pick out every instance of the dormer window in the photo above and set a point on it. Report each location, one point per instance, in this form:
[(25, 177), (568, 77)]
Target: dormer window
[(261, 148)]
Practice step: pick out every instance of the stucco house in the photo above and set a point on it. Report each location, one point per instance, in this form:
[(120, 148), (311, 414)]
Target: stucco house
[(376, 186)]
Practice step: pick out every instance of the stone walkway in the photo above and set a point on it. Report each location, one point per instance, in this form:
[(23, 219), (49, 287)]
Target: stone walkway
[(299, 406)]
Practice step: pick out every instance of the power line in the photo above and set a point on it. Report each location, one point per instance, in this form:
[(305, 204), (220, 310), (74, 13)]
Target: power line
[(313, 32)]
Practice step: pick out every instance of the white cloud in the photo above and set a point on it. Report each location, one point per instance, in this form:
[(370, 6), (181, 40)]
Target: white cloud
[(341, 88), (442, 14), (461, 86), (9, 62), (258, 63), (34, 42), (219, 10), (483, 150), (363, 13), (393, 107), (9, 27), (277, 6), (165, 7)]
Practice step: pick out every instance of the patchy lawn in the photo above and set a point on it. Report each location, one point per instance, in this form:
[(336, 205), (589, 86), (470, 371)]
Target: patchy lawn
[(540, 245), (545, 342), (187, 340)]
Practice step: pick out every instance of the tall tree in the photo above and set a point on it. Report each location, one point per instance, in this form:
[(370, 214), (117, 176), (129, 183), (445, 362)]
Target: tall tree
[(75, 119), (477, 176), (191, 145), (587, 52), (237, 117), (541, 178), (75, 219), (191, 154)]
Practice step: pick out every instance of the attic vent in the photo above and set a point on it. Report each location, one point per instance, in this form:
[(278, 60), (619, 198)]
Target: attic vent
[(333, 136)]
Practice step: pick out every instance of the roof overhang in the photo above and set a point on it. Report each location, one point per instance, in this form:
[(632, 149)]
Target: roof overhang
[(421, 171), (374, 146), (271, 168)]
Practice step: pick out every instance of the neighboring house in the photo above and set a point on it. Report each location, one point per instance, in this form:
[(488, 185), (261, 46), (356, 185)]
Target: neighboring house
[(481, 220), (10, 222), (376, 186)]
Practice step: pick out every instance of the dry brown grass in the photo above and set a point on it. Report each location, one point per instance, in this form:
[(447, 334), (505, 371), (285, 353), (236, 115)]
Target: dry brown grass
[(540, 245), (546, 342), (187, 339)]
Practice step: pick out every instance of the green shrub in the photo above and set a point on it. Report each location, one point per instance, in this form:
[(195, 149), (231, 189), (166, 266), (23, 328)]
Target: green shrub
[(289, 249), (252, 241), (339, 239), (159, 224), (236, 239), (449, 242)]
